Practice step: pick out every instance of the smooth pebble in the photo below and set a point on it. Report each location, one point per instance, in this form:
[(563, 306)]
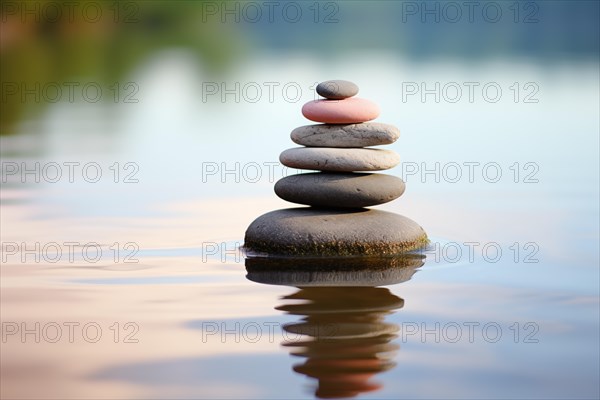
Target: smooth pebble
[(337, 89), (352, 135), (339, 160), (348, 111), (339, 190)]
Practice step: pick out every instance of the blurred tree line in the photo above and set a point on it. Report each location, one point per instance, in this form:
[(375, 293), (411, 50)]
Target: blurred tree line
[(44, 44), (50, 43)]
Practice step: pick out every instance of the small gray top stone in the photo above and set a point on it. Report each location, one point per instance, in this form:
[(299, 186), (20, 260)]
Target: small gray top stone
[(337, 89)]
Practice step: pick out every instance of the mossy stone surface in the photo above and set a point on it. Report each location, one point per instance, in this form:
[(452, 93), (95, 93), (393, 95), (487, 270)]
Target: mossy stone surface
[(314, 232)]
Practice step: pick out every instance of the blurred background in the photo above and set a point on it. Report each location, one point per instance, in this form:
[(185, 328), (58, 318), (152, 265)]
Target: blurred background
[(46, 44), (175, 85)]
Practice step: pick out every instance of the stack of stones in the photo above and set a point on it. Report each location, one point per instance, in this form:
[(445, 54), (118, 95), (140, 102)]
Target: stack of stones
[(337, 224), (338, 148)]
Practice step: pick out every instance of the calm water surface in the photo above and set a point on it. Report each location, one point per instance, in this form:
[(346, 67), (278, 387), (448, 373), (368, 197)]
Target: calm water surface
[(505, 305)]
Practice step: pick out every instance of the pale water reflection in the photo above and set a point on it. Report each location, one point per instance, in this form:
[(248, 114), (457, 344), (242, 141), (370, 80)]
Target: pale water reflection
[(348, 341), (342, 333)]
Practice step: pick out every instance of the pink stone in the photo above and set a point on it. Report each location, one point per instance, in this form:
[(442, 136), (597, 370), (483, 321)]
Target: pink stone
[(348, 111)]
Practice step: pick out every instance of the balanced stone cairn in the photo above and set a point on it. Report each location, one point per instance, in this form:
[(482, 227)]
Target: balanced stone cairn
[(337, 224)]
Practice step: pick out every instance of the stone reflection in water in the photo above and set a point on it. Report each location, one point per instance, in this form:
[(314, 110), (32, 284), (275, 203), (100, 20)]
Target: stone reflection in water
[(347, 340), (342, 333)]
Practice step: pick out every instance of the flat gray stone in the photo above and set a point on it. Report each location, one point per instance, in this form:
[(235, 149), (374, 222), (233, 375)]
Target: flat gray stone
[(351, 135), (315, 232), (337, 89), (339, 160), (344, 190)]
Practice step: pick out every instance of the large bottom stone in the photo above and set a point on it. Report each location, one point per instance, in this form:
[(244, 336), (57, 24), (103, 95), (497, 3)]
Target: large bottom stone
[(320, 232)]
